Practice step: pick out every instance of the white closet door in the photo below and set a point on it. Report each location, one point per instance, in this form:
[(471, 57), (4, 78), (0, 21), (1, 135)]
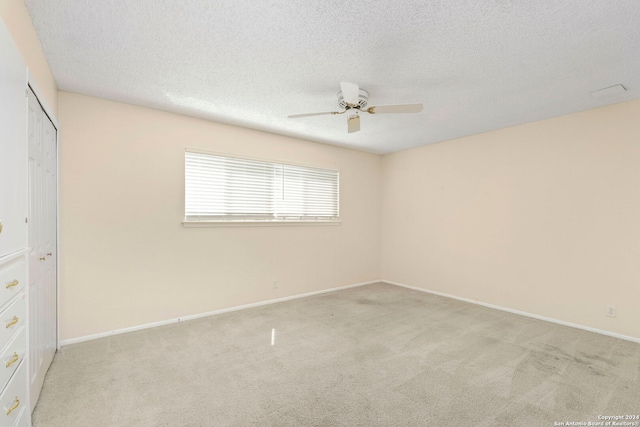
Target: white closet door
[(42, 241)]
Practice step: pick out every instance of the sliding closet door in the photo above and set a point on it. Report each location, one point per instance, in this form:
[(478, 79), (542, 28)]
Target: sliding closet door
[(43, 243)]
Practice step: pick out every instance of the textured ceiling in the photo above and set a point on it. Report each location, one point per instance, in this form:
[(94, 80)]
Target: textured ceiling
[(477, 65)]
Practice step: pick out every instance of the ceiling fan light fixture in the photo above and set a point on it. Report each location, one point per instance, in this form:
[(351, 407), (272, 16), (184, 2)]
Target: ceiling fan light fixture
[(353, 122), (353, 100)]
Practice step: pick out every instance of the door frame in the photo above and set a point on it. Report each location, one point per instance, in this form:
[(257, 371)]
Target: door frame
[(31, 83)]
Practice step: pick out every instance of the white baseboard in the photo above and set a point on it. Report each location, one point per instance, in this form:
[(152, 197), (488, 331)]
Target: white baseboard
[(324, 291), (521, 313), (209, 313)]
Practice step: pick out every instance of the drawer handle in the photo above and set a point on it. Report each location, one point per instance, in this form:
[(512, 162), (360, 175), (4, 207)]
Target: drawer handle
[(13, 360), (42, 258), (16, 403), (12, 284), (13, 322)]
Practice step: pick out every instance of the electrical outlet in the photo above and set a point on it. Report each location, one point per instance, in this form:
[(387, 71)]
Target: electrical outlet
[(611, 310), (275, 284)]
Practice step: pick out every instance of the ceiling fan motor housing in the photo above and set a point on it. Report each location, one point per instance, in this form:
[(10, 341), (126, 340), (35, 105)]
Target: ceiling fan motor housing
[(363, 97)]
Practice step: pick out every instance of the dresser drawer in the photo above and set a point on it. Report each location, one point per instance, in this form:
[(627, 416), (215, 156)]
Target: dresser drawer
[(13, 278), (12, 319), (12, 355), (14, 397)]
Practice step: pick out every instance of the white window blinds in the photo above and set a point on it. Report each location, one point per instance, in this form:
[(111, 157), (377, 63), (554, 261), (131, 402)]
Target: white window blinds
[(220, 188)]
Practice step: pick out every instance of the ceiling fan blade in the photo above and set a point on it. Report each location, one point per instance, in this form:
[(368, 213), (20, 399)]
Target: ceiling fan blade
[(388, 109), (297, 116), (350, 92), (353, 123)]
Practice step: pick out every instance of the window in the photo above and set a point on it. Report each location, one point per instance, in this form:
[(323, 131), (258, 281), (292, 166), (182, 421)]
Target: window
[(220, 188)]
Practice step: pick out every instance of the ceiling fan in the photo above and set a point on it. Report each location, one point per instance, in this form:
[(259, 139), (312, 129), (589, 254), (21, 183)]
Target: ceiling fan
[(353, 100)]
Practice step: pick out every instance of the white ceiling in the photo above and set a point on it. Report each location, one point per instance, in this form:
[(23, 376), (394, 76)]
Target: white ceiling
[(477, 65)]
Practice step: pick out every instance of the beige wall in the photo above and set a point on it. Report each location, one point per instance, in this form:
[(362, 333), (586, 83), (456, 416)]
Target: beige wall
[(126, 259), (17, 20), (542, 218)]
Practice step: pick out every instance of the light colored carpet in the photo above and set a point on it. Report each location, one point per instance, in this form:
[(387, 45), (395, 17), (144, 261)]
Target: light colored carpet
[(377, 355)]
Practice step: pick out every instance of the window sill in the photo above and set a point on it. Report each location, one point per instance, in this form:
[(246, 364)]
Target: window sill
[(201, 224)]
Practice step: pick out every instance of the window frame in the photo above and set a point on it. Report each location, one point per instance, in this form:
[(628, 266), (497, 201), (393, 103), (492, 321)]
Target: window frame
[(197, 223)]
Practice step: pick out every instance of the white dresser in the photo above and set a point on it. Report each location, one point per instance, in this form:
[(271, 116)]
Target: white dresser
[(14, 332), (14, 404)]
